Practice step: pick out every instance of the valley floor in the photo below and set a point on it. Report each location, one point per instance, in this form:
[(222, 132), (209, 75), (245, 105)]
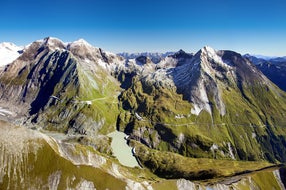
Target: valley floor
[(27, 155)]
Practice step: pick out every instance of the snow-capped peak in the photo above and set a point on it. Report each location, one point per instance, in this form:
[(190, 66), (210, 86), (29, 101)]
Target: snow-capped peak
[(81, 42), (48, 40), (51, 42), (214, 55), (9, 46), (209, 50), (182, 54), (9, 52), (54, 41)]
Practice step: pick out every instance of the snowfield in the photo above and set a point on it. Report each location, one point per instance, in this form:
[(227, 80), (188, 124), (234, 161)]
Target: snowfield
[(8, 53)]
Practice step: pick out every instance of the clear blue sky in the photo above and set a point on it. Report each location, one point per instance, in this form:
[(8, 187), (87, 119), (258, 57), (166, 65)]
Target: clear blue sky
[(257, 26)]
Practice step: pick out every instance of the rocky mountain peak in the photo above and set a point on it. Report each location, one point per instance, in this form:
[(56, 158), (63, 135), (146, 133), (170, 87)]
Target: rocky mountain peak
[(209, 71), (208, 49), (53, 43), (212, 62), (79, 43), (56, 44), (182, 54), (143, 60)]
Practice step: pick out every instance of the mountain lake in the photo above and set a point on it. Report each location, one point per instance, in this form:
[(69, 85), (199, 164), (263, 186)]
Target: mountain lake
[(121, 150)]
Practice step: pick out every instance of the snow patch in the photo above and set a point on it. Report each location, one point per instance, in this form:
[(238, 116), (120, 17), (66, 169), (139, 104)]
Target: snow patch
[(160, 78), (52, 43), (167, 62), (102, 64), (8, 53), (209, 58), (78, 43)]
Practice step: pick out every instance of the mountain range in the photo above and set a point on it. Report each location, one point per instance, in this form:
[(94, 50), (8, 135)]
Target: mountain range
[(155, 57), (274, 68), (216, 108)]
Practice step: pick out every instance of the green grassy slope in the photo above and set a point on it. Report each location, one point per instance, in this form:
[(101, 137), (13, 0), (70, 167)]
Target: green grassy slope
[(254, 120)]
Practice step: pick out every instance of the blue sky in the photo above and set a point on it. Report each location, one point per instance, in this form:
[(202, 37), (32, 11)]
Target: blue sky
[(257, 27)]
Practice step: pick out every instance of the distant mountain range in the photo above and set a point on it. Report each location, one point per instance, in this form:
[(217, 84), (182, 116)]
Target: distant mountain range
[(273, 67), (256, 59), (155, 57), (175, 108)]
